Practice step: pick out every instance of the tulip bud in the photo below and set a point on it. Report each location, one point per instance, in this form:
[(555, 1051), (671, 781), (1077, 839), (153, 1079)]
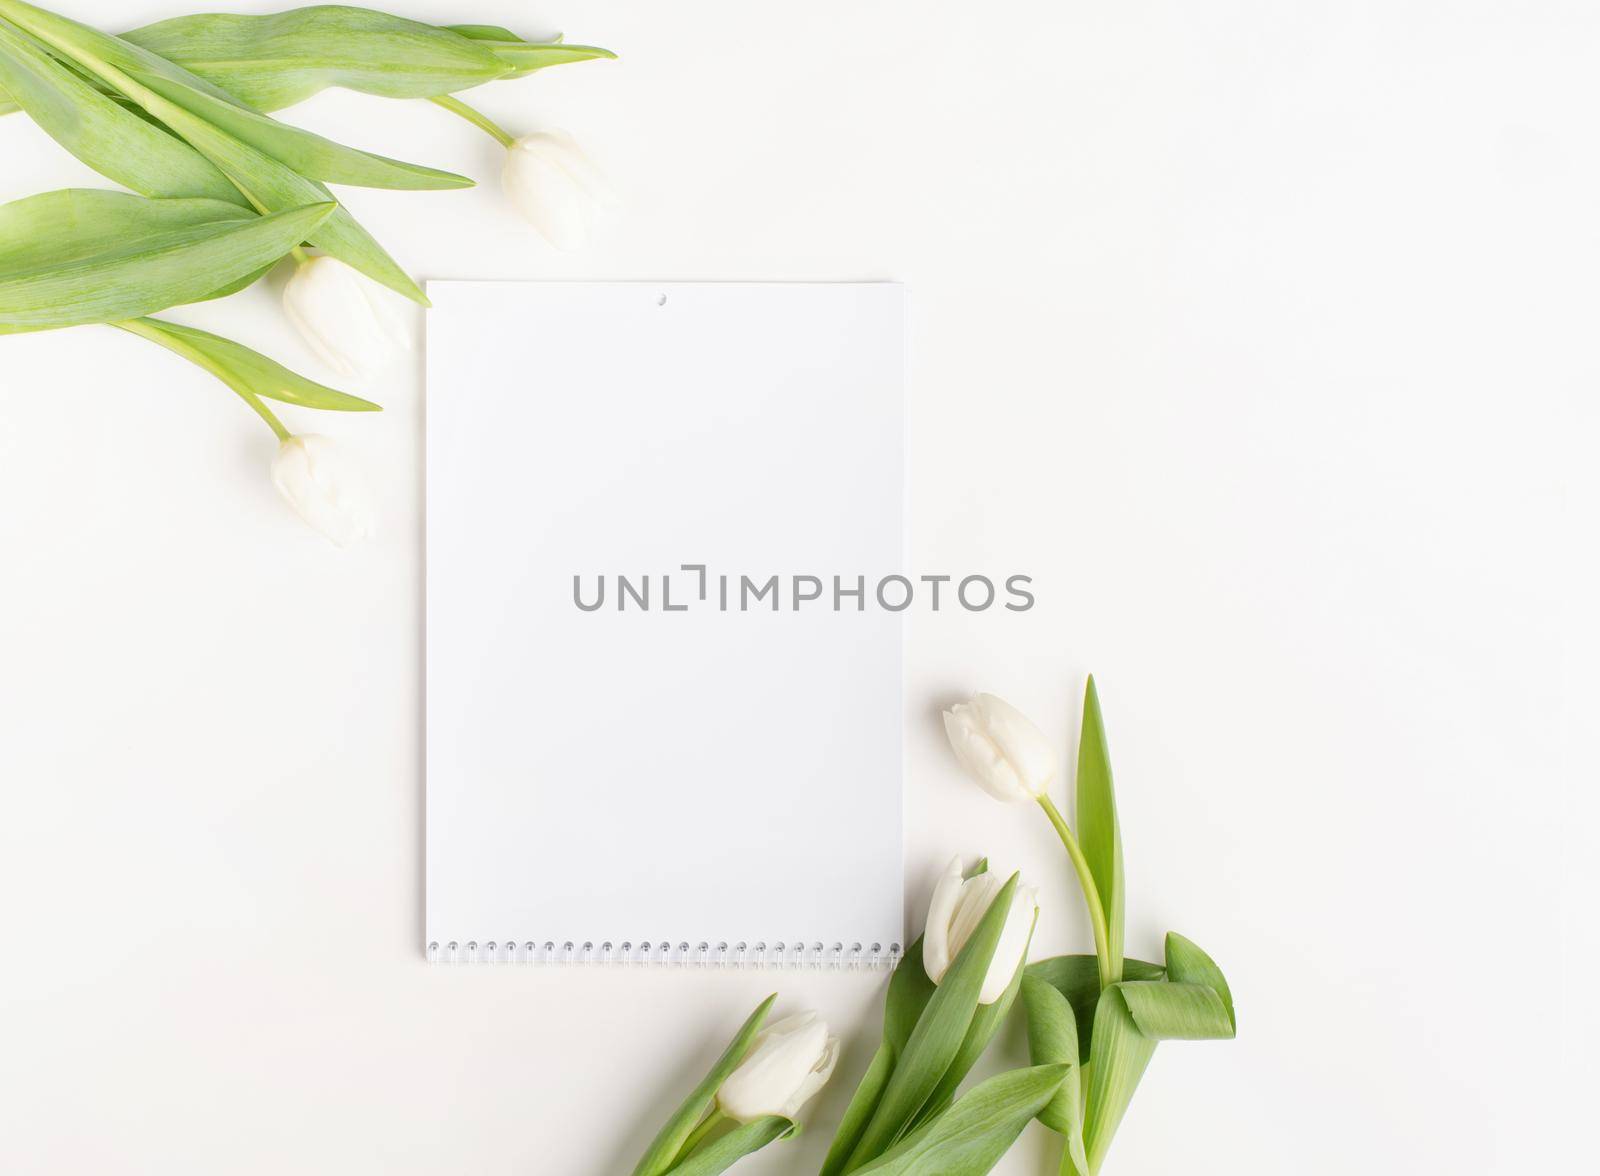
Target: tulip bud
[(1001, 749), (343, 318), (555, 187), (958, 906), (324, 489), (789, 1062)]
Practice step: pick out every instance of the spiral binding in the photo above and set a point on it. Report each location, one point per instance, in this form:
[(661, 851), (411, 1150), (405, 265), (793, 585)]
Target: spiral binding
[(837, 957)]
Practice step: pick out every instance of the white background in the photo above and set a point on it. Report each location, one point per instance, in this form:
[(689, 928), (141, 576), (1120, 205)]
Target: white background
[(1260, 334)]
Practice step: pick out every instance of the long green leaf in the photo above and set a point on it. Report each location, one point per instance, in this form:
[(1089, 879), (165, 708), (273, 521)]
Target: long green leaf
[(938, 1035), (525, 58), (908, 995), (178, 267), (1097, 822), (102, 133), (862, 1104), (970, 1137), (1077, 977), (71, 224), (986, 1022), (309, 154), (910, 990), (664, 1149), (1117, 1060), (270, 62), (245, 371), (724, 1151), (267, 182), (1053, 1039)]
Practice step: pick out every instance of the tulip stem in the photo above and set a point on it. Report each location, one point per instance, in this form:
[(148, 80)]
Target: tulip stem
[(1091, 893), (152, 329), (697, 1136), (299, 255), (476, 117)]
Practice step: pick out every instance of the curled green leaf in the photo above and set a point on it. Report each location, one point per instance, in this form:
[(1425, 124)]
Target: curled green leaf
[(1053, 1040), (1077, 978)]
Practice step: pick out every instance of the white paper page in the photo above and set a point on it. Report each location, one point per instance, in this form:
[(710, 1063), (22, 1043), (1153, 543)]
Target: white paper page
[(643, 775)]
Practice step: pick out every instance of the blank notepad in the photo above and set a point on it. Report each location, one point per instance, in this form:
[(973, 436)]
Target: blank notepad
[(662, 724)]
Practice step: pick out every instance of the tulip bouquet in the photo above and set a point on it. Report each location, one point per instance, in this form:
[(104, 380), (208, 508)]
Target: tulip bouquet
[(1093, 1020), (178, 112), (1101, 1015)]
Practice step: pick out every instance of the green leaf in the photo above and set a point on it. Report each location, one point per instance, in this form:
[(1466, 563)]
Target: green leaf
[(486, 32), (1117, 1060), (309, 154), (725, 1150), (102, 133), (1167, 1011), (268, 183), (72, 224), (986, 1022), (140, 276), (1053, 1039), (664, 1149), (862, 1103), (1077, 977), (245, 371), (525, 58), (1187, 964), (270, 62), (1097, 822), (938, 1035), (910, 990), (970, 1137)]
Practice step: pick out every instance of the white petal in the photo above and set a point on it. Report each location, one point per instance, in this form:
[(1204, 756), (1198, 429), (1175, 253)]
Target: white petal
[(1013, 945), (554, 187), (983, 757), (1031, 756), (324, 488), (781, 1070), (343, 317), (937, 950)]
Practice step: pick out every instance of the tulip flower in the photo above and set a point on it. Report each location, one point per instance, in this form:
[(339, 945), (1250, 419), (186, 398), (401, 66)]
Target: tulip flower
[(1001, 748), (343, 317), (1010, 757), (555, 187), (958, 904), (789, 1062), (324, 489)]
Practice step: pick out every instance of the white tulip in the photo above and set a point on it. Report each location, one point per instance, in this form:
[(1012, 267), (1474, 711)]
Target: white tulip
[(555, 187), (958, 906), (1001, 748), (324, 489), (789, 1062), (344, 318)]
